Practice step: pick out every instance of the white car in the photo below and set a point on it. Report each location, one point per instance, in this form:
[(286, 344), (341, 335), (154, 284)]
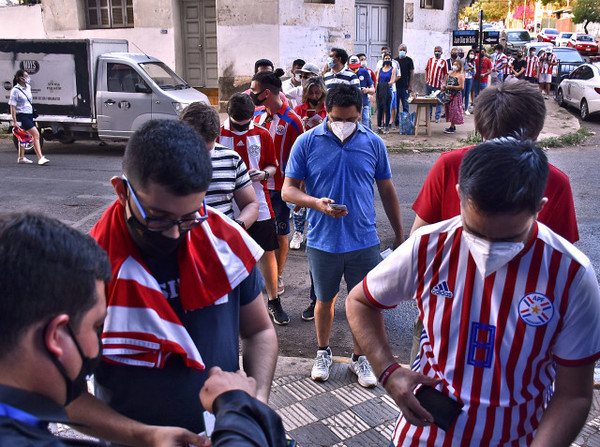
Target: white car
[(563, 39), (581, 89)]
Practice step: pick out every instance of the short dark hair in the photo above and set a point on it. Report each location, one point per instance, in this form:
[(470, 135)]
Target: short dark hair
[(504, 175), (204, 119), (48, 269), (263, 63), (343, 95), (359, 55), (240, 107), (341, 53), (510, 109), (268, 80), (298, 63), (170, 153), (499, 47)]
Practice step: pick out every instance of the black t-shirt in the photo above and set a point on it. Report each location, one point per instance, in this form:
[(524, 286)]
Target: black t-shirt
[(169, 396), (518, 65), (406, 65)]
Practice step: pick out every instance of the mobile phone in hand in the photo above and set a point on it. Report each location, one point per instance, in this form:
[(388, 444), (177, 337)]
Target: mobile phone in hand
[(338, 206), (443, 408)]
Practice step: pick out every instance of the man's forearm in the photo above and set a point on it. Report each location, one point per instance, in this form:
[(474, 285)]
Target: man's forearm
[(562, 421), (391, 206), (260, 357), (295, 195)]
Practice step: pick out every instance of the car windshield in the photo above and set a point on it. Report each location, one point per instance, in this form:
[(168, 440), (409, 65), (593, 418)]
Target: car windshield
[(551, 31), (164, 77), (585, 38), (566, 35), (568, 55), (518, 35)]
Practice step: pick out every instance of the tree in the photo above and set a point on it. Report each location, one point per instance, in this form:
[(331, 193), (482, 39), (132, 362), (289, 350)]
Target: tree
[(518, 14), (492, 10), (586, 12)]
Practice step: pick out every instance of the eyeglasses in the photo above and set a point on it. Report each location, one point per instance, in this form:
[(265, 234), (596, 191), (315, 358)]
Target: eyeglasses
[(161, 224)]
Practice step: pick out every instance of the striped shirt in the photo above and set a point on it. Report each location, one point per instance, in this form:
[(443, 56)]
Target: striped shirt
[(256, 149), (229, 174), (508, 67), (499, 62), (345, 76), (547, 62), (491, 340), (435, 71), (284, 126), (532, 66)]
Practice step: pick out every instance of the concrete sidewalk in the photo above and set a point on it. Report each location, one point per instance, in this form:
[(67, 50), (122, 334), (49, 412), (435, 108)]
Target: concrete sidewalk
[(340, 412)]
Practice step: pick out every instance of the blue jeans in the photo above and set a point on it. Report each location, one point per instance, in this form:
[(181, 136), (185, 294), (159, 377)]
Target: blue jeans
[(482, 87), (366, 116), (467, 92), (438, 108), (500, 78), (299, 219)]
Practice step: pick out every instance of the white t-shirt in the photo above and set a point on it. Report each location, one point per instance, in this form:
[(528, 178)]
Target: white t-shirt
[(20, 97), (293, 93)]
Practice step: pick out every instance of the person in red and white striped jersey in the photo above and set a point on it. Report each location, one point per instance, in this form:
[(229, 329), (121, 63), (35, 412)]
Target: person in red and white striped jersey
[(436, 71), (499, 63), (531, 72), (503, 298), (546, 61)]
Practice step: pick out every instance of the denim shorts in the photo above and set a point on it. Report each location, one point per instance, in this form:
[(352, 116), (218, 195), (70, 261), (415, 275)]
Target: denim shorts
[(327, 269), (281, 211), (26, 120)]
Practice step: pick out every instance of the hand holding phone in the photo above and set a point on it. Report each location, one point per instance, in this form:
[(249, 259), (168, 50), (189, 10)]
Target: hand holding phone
[(443, 408), (338, 206)]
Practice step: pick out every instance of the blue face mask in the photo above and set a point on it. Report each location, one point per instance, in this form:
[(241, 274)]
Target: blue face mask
[(330, 62), (402, 54)]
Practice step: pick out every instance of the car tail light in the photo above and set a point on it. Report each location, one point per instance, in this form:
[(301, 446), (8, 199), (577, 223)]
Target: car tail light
[(597, 90)]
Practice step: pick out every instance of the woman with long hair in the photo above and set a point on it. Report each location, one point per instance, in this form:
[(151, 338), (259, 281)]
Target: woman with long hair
[(21, 110), (386, 78), (455, 83)]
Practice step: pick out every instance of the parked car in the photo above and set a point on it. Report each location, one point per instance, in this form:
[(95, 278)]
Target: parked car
[(581, 89), (548, 35), (537, 45), (563, 39), (514, 40), (584, 43)]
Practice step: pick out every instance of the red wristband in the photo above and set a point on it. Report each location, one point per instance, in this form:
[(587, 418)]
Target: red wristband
[(385, 375)]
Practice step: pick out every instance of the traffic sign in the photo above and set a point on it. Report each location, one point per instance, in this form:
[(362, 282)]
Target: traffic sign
[(464, 37), (491, 37)]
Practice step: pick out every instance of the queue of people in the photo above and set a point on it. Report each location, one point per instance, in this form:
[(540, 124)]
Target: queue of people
[(171, 278)]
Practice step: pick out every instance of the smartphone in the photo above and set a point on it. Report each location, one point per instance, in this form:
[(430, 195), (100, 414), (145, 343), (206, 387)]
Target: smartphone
[(338, 206), (443, 408), (255, 173)]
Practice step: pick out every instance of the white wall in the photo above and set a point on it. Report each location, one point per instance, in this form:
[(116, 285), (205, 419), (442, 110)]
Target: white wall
[(22, 22)]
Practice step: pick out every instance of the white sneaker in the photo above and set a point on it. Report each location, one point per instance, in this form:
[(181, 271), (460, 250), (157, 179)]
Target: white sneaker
[(437, 120), (24, 161), (43, 161), (467, 112), (297, 240), (322, 367), (362, 368)]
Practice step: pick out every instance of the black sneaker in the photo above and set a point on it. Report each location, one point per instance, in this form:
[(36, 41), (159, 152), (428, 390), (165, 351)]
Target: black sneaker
[(450, 130), (309, 312), (277, 312)]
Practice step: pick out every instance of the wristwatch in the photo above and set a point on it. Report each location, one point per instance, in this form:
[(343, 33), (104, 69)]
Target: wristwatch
[(266, 174), (240, 223)]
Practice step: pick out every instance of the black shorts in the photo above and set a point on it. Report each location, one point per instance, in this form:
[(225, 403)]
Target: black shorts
[(282, 212), (264, 234), (26, 120)]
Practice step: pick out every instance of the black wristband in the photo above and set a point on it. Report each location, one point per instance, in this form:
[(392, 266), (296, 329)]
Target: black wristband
[(240, 223), (266, 174)]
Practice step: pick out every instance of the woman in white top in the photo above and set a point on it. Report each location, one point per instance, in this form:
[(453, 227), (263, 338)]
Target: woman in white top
[(21, 109)]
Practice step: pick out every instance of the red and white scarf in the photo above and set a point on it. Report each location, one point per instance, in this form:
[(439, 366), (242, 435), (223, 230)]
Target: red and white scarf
[(141, 328)]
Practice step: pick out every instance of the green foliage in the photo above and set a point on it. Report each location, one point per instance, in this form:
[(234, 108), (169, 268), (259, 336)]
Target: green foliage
[(570, 139), (586, 11), (472, 138), (492, 10)]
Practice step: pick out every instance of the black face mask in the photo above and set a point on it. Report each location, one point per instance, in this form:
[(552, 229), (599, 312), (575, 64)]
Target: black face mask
[(454, 56), (89, 365), (314, 102), (388, 63), (255, 100), (239, 127), (152, 243)]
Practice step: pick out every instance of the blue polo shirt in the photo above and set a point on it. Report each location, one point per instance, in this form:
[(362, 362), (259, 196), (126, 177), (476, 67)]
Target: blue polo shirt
[(344, 173)]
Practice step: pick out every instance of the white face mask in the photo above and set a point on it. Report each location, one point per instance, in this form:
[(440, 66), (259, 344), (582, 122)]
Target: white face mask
[(455, 67), (363, 64), (490, 256), (342, 129), (297, 77)]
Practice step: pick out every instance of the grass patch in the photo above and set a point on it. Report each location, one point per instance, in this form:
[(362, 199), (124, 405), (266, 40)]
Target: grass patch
[(570, 139), (472, 138)]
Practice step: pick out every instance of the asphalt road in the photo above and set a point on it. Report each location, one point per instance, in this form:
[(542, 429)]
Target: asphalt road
[(75, 188)]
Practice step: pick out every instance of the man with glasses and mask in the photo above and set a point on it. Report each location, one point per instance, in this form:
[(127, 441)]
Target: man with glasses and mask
[(508, 306), (339, 161), (284, 126), (185, 290)]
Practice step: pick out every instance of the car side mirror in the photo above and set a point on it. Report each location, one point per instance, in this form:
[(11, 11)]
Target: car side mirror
[(141, 87)]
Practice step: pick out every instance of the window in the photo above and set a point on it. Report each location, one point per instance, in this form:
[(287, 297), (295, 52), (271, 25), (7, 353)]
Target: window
[(432, 4), (122, 78), (109, 13)]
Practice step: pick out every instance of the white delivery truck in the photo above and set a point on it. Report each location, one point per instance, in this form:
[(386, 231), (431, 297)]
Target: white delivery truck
[(89, 89)]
